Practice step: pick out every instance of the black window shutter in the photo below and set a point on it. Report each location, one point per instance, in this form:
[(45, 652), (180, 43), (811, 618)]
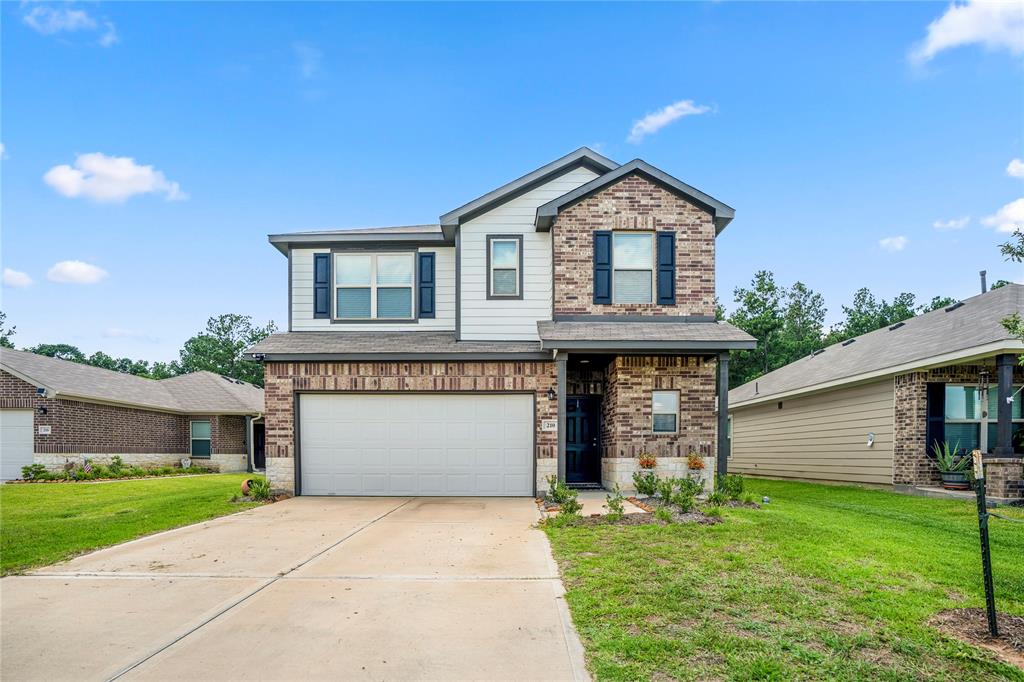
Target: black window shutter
[(666, 268), (426, 285), (321, 285), (936, 413), (602, 267)]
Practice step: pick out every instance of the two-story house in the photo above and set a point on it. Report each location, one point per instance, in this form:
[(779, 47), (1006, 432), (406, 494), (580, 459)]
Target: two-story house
[(563, 323)]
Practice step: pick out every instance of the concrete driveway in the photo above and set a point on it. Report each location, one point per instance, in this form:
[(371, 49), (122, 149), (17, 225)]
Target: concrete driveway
[(340, 588)]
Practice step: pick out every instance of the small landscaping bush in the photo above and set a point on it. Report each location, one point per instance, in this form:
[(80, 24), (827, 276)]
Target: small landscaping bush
[(558, 491), (571, 507), (714, 512), (259, 489), (87, 471), (34, 472), (691, 486), (116, 465), (645, 482), (730, 485), (663, 514), (616, 504), (717, 498)]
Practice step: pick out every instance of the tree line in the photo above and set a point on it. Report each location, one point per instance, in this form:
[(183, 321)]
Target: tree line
[(217, 348)]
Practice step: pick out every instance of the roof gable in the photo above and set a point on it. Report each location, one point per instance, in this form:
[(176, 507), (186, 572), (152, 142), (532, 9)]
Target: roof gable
[(583, 156), (721, 213)]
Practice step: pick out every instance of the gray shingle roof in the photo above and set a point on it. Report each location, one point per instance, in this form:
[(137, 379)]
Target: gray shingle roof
[(199, 392), (975, 322), (342, 344), (662, 334)]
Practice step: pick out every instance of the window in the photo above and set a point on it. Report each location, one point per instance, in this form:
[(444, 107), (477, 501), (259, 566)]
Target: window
[(201, 445), (633, 262), (504, 266), (371, 286), (968, 424), (666, 411)]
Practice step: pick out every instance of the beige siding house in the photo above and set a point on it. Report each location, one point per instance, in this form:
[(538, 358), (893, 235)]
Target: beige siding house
[(868, 410)]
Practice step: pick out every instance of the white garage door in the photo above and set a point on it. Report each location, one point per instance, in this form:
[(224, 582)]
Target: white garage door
[(416, 444), (15, 442)]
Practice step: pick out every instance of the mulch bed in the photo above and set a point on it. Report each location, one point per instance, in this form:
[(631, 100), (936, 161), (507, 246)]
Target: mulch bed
[(645, 519), (971, 626)]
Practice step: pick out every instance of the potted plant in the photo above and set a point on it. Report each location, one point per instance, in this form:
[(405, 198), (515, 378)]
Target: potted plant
[(694, 461), (952, 466), (647, 461)]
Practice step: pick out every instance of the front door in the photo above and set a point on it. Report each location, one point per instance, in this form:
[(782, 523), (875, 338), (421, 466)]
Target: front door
[(583, 439)]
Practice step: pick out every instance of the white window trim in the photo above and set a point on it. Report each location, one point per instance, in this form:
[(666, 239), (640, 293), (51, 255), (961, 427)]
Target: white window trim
[(982, 422), (653, 268), (373, 286), (678, 409), (191, 438), (490, 275)]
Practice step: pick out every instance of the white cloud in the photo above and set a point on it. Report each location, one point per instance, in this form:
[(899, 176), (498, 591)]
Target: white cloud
[(48, 20), (952, 223), (75, 272), (893, 244), (996, 25), (1008, 218), (655, 121), (110, 178), (16, 279), (1015, 169), (310, 60)]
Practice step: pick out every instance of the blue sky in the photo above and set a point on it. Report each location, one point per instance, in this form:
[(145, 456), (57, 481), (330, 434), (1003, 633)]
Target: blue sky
[(829, 127)]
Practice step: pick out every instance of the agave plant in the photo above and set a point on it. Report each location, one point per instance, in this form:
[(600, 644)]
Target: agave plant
[(946, 458)]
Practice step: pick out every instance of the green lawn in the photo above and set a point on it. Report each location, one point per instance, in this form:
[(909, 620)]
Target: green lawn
[(46, 522), (824, 582)]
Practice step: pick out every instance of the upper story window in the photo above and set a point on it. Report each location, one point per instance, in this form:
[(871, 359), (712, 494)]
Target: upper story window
[(633, 263), (504, 266), (373, 286)]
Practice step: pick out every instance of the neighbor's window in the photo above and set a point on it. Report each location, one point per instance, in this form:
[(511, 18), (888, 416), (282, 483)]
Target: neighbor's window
[(373, 286), (201, 445), (666, 411), (966, 422), (633, 263), (504, 259)]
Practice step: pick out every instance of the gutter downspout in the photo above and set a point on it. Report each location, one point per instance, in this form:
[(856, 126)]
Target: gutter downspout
[(248, 444)]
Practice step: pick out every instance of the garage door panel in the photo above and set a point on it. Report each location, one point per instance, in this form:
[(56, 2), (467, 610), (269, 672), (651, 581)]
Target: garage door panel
[(16, 442), (416, 444)]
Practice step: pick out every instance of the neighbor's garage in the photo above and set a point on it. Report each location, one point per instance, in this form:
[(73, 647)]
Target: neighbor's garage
[(416, 444), (15, 442)]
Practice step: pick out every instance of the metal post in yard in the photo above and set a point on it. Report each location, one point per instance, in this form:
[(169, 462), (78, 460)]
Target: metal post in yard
[(986, 557)]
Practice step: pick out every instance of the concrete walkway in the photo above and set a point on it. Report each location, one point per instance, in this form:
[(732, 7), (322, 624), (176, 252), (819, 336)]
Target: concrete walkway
[(309, 588)]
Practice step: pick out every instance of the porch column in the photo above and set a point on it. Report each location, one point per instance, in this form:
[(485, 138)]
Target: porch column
[(723, 413), (560, 361), (1004, 410)]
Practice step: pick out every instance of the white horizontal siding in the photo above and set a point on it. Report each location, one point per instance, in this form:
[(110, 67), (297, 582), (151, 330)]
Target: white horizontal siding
[(302, 297), (511, 320)]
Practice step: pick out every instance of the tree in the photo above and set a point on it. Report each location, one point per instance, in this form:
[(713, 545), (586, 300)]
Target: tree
[(219, 348), (936, 303), (61, 351), (5, 332), (803, 327), (868, 314), (1015, 252), (760, 314), (999, 283)]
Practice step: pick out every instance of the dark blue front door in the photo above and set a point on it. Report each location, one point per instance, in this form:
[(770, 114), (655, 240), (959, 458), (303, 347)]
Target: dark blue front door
[(583, 439)]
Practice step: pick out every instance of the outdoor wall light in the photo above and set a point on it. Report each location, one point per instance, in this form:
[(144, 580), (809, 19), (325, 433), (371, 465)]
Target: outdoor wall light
[(42, 410), (551, 394), (871, 439)]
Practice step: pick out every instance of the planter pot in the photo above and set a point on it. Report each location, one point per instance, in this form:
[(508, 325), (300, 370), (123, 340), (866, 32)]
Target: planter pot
[(955, 480)]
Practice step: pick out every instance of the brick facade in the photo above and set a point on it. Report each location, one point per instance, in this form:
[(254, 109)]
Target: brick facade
[(284, 379), (911, 463), (140, 436), (633, 203)]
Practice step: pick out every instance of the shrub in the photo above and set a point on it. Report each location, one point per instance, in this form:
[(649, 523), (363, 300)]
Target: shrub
[(558, 491), (646, 483), (666, 486), (571, 507), (116, 465), (34, 472), (684, 501), (717, 498), (714, 512), (749, 498), (135, 471), (166, 471), (259, 489), (100, 471), (730, 485), (691, 486), (647, 461), (694, 461), (616, 504), (663, 514)]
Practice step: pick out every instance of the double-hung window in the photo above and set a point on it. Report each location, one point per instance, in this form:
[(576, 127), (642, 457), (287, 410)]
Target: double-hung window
[(665, 412), (505, 263), (373, 286), (201, 441), (970, 425), (633, 263)]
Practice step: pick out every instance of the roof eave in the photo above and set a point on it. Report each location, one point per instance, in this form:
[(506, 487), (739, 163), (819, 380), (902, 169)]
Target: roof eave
[(396, 356), (284, 242), (641, 346)]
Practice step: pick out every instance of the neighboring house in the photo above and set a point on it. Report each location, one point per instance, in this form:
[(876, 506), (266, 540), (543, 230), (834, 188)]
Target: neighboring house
[(55, 411), (868, 410), (563, 323)]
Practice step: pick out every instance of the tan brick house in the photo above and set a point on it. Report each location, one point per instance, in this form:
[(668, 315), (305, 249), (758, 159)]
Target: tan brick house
[(561, 324), (869, 409), (54, 411)]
